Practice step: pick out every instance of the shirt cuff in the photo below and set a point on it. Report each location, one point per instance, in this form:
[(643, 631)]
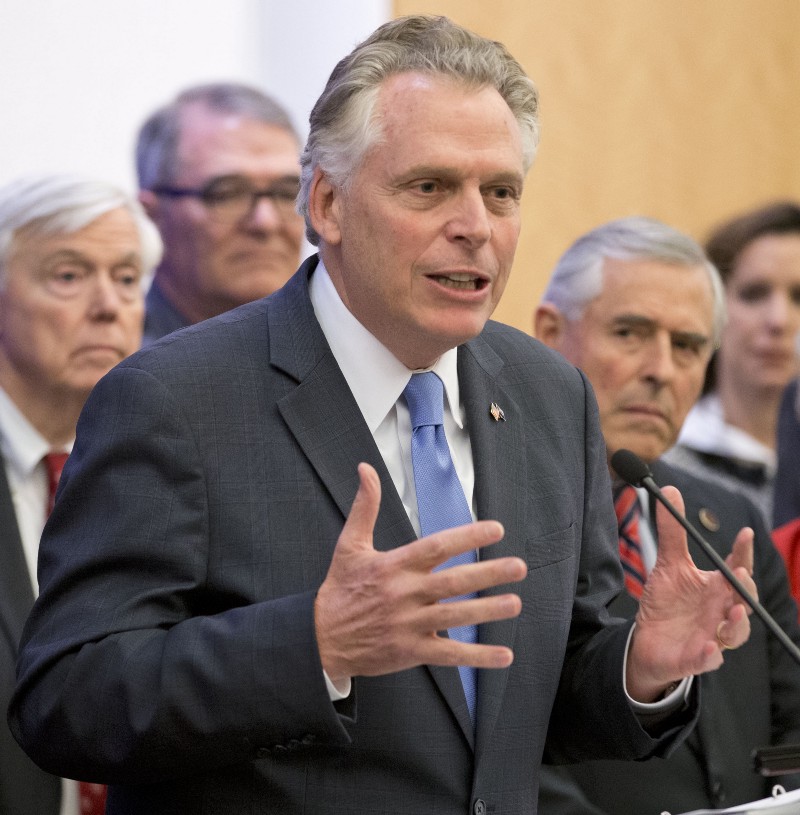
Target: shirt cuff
[(675, 697), (335, 694)]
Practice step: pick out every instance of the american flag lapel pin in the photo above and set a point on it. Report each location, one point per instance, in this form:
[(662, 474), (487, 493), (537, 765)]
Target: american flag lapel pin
[(496, 412)]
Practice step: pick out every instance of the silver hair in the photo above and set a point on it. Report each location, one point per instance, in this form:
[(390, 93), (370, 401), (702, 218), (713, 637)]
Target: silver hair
[(62, 204), (157, 142), (344, 124), (578, 276)]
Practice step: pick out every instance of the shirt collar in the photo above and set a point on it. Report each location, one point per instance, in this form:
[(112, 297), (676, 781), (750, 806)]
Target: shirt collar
[(22, 445), (375, 376)]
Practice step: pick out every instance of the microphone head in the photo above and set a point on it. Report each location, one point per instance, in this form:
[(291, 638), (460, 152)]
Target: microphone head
[(630, 468)]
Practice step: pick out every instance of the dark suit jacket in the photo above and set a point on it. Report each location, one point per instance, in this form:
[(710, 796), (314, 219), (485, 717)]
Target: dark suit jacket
[(24, 788), (160, 317), (787, 479), (172, 651), (752, 701)]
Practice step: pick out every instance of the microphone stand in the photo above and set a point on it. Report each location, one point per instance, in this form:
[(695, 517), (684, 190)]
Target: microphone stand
[(635, 472)]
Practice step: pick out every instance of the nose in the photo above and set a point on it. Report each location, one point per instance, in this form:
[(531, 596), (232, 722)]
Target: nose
[(780, 312), (105, 298), (658, 363), (263, 215), (469, 221)]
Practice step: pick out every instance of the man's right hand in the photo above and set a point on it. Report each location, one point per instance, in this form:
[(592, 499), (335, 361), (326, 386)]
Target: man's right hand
[(380, 612)]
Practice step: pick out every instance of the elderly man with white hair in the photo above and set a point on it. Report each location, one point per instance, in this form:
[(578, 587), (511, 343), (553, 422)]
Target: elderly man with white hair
[(72, 255)]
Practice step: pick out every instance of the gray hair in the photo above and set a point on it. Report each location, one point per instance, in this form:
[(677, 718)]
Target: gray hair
[(157, 142), (62, 204), (578, 276), (343, 123)]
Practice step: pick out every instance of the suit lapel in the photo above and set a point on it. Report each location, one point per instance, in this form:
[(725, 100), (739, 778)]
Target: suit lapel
[(16, 594), (322, 413), (498, 451)]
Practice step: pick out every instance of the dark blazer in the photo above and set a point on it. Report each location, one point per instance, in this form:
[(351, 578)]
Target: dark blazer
[(172, 650), (752, 701), (160, 316), (787, 479), (24, 788)]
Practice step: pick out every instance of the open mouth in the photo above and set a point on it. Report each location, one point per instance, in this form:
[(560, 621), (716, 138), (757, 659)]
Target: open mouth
[(461, 282)]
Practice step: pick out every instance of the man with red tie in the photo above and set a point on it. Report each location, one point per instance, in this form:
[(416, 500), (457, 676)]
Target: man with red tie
[(72, 256), (638, 308)]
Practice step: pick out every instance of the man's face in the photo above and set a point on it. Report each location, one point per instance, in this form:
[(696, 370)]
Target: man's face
[(420, 246), (209, 266), (644, 344), (71, 308)]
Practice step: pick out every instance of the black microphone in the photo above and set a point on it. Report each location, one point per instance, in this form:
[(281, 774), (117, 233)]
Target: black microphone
[(632, 470)]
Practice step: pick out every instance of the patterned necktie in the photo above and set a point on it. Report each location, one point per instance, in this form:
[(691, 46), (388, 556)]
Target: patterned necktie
[(626, 506), (91, 797), (440, 496)]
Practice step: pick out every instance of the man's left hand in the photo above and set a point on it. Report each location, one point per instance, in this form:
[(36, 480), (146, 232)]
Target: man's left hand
[(687, 617)]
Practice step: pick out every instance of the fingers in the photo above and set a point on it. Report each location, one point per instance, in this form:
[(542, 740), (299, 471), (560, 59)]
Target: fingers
[(360, 523), (442, 616), (428, 553), (741, 555), (734, 630), (671, 535), (457, 581)]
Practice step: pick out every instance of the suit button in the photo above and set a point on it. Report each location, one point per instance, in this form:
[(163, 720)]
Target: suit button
[(308, 739), (479, 807), (263, 752)]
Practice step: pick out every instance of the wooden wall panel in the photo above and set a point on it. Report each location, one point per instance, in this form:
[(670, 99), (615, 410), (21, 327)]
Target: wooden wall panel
[(682, 110)]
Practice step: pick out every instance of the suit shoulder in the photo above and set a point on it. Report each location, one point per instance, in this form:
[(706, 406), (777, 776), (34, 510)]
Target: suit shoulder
[(517, 347)]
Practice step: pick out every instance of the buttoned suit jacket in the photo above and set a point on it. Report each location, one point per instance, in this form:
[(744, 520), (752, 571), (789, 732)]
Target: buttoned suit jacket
[(24, 788), (752, 701), (172, 652)]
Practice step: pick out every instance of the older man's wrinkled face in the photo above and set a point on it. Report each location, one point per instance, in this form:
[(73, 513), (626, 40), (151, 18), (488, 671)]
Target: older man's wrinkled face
[(420, 245), (644, 344), (71, 307)]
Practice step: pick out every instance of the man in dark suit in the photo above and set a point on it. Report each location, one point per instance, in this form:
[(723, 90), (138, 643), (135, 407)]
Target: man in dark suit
[(245, 619), (218, 170), (72, 255), (630, 304)]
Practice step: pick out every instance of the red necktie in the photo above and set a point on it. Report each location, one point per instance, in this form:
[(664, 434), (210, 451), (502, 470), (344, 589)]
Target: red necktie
[(626, 506), (92, 797), (55, 464)]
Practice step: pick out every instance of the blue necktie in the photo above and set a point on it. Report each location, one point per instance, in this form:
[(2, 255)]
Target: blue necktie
[(440, 497)]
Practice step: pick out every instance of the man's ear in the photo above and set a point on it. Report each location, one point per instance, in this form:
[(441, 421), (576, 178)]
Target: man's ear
[(549, 325), (324, 208)]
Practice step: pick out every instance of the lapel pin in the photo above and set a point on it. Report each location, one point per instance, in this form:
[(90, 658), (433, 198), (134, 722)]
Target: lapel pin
[(497, 412), (709, 519)]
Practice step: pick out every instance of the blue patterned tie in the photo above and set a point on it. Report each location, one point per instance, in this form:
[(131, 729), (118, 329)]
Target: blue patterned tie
[(440, 497)]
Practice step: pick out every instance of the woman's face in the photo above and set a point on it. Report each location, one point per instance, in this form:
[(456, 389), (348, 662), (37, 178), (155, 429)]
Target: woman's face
[(759, 344)]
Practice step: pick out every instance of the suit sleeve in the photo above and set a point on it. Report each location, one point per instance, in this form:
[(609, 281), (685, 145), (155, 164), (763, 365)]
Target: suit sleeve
[(177, 676)]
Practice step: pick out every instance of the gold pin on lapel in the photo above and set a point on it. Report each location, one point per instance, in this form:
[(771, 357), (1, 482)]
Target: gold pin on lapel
[(709, 519), (497, 412)]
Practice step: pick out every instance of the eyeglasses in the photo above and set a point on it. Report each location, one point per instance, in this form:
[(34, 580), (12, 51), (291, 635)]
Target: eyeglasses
[(229, 199)]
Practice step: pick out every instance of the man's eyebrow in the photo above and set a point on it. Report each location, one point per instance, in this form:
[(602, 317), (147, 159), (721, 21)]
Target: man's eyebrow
[(640, 321)]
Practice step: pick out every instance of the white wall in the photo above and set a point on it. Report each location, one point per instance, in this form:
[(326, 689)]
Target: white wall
[(77, 77)]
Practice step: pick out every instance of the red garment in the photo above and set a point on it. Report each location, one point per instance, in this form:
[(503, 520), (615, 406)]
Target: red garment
[(787, 542)]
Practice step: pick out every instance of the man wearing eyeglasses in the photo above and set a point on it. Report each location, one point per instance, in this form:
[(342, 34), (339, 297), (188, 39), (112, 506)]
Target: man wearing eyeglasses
[(218, 173)]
